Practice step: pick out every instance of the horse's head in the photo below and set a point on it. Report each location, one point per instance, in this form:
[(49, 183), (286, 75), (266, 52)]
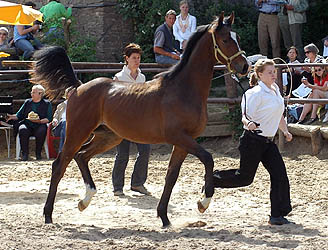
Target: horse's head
[(226, 46)]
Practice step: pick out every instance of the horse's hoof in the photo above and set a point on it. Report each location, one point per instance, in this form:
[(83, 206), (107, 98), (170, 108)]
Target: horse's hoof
[(48, 219), (81, 206), (201, 208)]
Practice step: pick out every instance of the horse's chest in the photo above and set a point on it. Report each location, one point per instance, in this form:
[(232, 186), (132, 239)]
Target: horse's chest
[(198, 123)]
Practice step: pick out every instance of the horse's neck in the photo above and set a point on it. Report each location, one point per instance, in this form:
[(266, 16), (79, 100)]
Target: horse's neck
[(199, 68)]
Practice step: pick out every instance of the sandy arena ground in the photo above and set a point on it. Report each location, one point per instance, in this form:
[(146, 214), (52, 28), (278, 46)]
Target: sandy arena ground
[(236, 218)]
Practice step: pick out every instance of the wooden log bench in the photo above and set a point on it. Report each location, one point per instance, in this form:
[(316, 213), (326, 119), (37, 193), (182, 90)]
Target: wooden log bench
[(324, 132), (310, 131)]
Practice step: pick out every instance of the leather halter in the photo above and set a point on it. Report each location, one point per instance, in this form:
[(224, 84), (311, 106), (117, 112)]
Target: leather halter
[(229, 60)]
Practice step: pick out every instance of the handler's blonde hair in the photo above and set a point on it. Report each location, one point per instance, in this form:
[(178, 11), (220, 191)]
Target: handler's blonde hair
[(259, 68)]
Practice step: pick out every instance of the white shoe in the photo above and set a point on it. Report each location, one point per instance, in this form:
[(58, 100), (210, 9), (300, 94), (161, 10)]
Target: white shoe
[(325, 119)]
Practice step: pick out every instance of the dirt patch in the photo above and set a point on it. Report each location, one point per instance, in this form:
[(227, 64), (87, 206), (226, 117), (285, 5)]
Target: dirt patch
[(236, 218)]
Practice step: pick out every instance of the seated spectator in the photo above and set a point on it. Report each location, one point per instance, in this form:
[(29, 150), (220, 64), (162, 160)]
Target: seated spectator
[(166, 48), (5, 45), (59, 119), (53, 11), (33, 125), (184, 25), (319, 90), (292, 54), (24, 37), (311, 52), (4, 38)]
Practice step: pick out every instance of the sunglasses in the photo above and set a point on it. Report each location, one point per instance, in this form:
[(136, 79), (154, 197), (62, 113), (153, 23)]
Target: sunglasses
[(307, 52), (3, 34), (318, 70)]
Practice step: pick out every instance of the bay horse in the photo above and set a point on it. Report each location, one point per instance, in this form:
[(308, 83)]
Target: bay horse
[(171, 108)]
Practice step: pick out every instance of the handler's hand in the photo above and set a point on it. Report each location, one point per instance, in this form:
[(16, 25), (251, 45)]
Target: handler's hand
[(251, 126), (288, 136), (35, 121), (10, 117)]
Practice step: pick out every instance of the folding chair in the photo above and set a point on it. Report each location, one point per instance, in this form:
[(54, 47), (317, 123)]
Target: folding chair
[(18, 146)]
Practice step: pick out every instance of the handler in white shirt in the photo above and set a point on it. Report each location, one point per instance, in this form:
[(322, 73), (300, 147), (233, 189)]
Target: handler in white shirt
[(262, 117), (185, 25)]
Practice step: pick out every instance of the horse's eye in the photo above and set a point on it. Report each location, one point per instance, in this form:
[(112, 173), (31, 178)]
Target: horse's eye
[(225, 41)]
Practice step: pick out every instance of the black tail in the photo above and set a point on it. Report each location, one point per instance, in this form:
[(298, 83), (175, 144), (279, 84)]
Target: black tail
[(53, 70)]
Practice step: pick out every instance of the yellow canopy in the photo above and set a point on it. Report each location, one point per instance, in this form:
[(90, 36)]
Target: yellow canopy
[(18, 14)]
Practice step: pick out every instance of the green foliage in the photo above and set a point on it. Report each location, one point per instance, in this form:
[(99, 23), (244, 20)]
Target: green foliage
[(316, 27), (245, 20), (145, 20), (82, 47)]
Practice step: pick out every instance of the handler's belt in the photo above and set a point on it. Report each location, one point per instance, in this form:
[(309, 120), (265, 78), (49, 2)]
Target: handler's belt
[(269, 13), (266, 139)]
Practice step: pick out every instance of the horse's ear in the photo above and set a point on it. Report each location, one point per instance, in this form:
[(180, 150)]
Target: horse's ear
[(220, 22), (231, 19)]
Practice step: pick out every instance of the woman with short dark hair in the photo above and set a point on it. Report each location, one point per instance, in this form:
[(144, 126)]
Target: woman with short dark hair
[(131, 74)]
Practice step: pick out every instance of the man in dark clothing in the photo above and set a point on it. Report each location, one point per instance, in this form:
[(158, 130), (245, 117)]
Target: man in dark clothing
[(166, 48)]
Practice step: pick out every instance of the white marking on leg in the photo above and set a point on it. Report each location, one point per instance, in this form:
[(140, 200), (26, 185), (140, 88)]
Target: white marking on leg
[(206, 202), (89, 193)]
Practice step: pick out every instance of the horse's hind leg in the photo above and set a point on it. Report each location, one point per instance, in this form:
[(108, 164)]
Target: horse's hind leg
[(74, 140), (102, 141), (58, 170), (177, 157)]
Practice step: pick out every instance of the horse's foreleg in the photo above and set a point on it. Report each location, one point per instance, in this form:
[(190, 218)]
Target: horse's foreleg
[(103, 140), (207, 159), (192, 147), (177, 157)]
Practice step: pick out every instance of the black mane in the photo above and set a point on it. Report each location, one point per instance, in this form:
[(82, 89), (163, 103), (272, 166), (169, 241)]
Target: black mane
[(168, 75)]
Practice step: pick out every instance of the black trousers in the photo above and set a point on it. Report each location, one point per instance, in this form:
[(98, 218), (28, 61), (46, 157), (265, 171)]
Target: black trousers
[(253, 150), (25, 132)]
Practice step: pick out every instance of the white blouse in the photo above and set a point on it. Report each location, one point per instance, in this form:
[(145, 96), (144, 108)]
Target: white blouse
[(125, 76), (264, 106), (183, 29)]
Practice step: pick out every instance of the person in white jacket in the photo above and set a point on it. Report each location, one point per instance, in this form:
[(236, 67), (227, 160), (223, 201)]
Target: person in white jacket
[(184, 25)]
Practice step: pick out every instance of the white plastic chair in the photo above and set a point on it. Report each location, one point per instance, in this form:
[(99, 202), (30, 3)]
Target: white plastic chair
[(18, 146)]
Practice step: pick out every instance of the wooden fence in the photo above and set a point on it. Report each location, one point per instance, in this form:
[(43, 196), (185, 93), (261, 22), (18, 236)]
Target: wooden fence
[(217, 123)]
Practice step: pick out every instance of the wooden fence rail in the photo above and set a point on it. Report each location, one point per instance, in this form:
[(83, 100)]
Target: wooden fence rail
[(219, 128)]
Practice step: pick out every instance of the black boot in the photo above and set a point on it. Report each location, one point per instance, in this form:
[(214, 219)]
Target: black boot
[(38, 156), (24, 156)]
